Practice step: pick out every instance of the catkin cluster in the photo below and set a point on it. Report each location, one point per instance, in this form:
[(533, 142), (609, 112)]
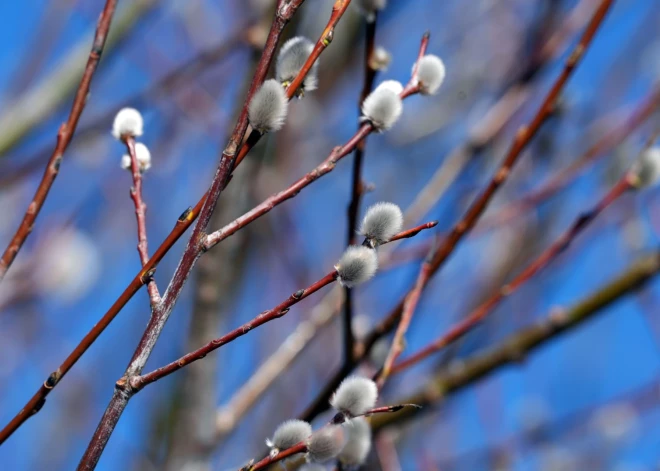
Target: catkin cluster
[(346, 438), (129, 123)]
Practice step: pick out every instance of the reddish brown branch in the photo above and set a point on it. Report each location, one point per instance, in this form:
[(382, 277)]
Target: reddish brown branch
[(140, 214), (193, 248), (325, 167), (609, 139), (138, 382), (444, 250), (64, 137), (542, 261), (185, 220)]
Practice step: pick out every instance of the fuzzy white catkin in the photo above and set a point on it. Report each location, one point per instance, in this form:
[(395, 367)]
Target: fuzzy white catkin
[(393, 85), (358, 443), (370, 7), (268, 107), (355, 395), (431, 74), (647, 167), (288, 434), (382, 221), (143, 157), (290, 60), (383, 106), (357, 265), (128, 122), (325, 444)]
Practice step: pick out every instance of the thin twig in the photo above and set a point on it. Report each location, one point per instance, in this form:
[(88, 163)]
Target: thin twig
[(542, 261), (513, 349), (140, 214), (482, 135), (193, 250), (183, 223), (357, 185), (563, 178), (446, 248), (139, 382), (64, 136)]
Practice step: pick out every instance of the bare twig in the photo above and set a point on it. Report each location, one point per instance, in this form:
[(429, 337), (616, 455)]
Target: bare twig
[(140, 214), (542, 261), (193, 250), (482, 134), (515, 347), (357, 185), (563, 178), (139, 382), (64, 136), (446, 248)]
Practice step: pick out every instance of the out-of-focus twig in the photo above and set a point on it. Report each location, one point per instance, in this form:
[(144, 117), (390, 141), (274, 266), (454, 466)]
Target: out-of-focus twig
[(514, 348), (625, 184), (441, 253), (357, 185)]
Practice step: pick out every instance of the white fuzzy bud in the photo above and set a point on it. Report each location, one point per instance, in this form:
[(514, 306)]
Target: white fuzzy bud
[(383, 106), (382, 221), (380, 59), (143, 157), (268, 107), (430, 74), (370, 7), (647, 167), (356, 265), (290, 60), (128, 122), (354, 396), (288, 434), (358, 443), (325, 443), (392, 85)]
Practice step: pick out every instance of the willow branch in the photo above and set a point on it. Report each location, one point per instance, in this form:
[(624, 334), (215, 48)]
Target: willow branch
[(609, 139), (140, 215), (64, 137), (513, 349), (327, 166), (357, 185), (543, 260), (183, 223), (192, 251), (445, 249), (139, 382)]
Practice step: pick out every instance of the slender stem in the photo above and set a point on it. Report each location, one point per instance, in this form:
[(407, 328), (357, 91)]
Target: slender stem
[(138, 382), (140, 214), (64, 137), (186, 219), (563, 178), (357, 185), (542, 261), (192, 251), (446, 248), (409, 306), (513, 349)]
